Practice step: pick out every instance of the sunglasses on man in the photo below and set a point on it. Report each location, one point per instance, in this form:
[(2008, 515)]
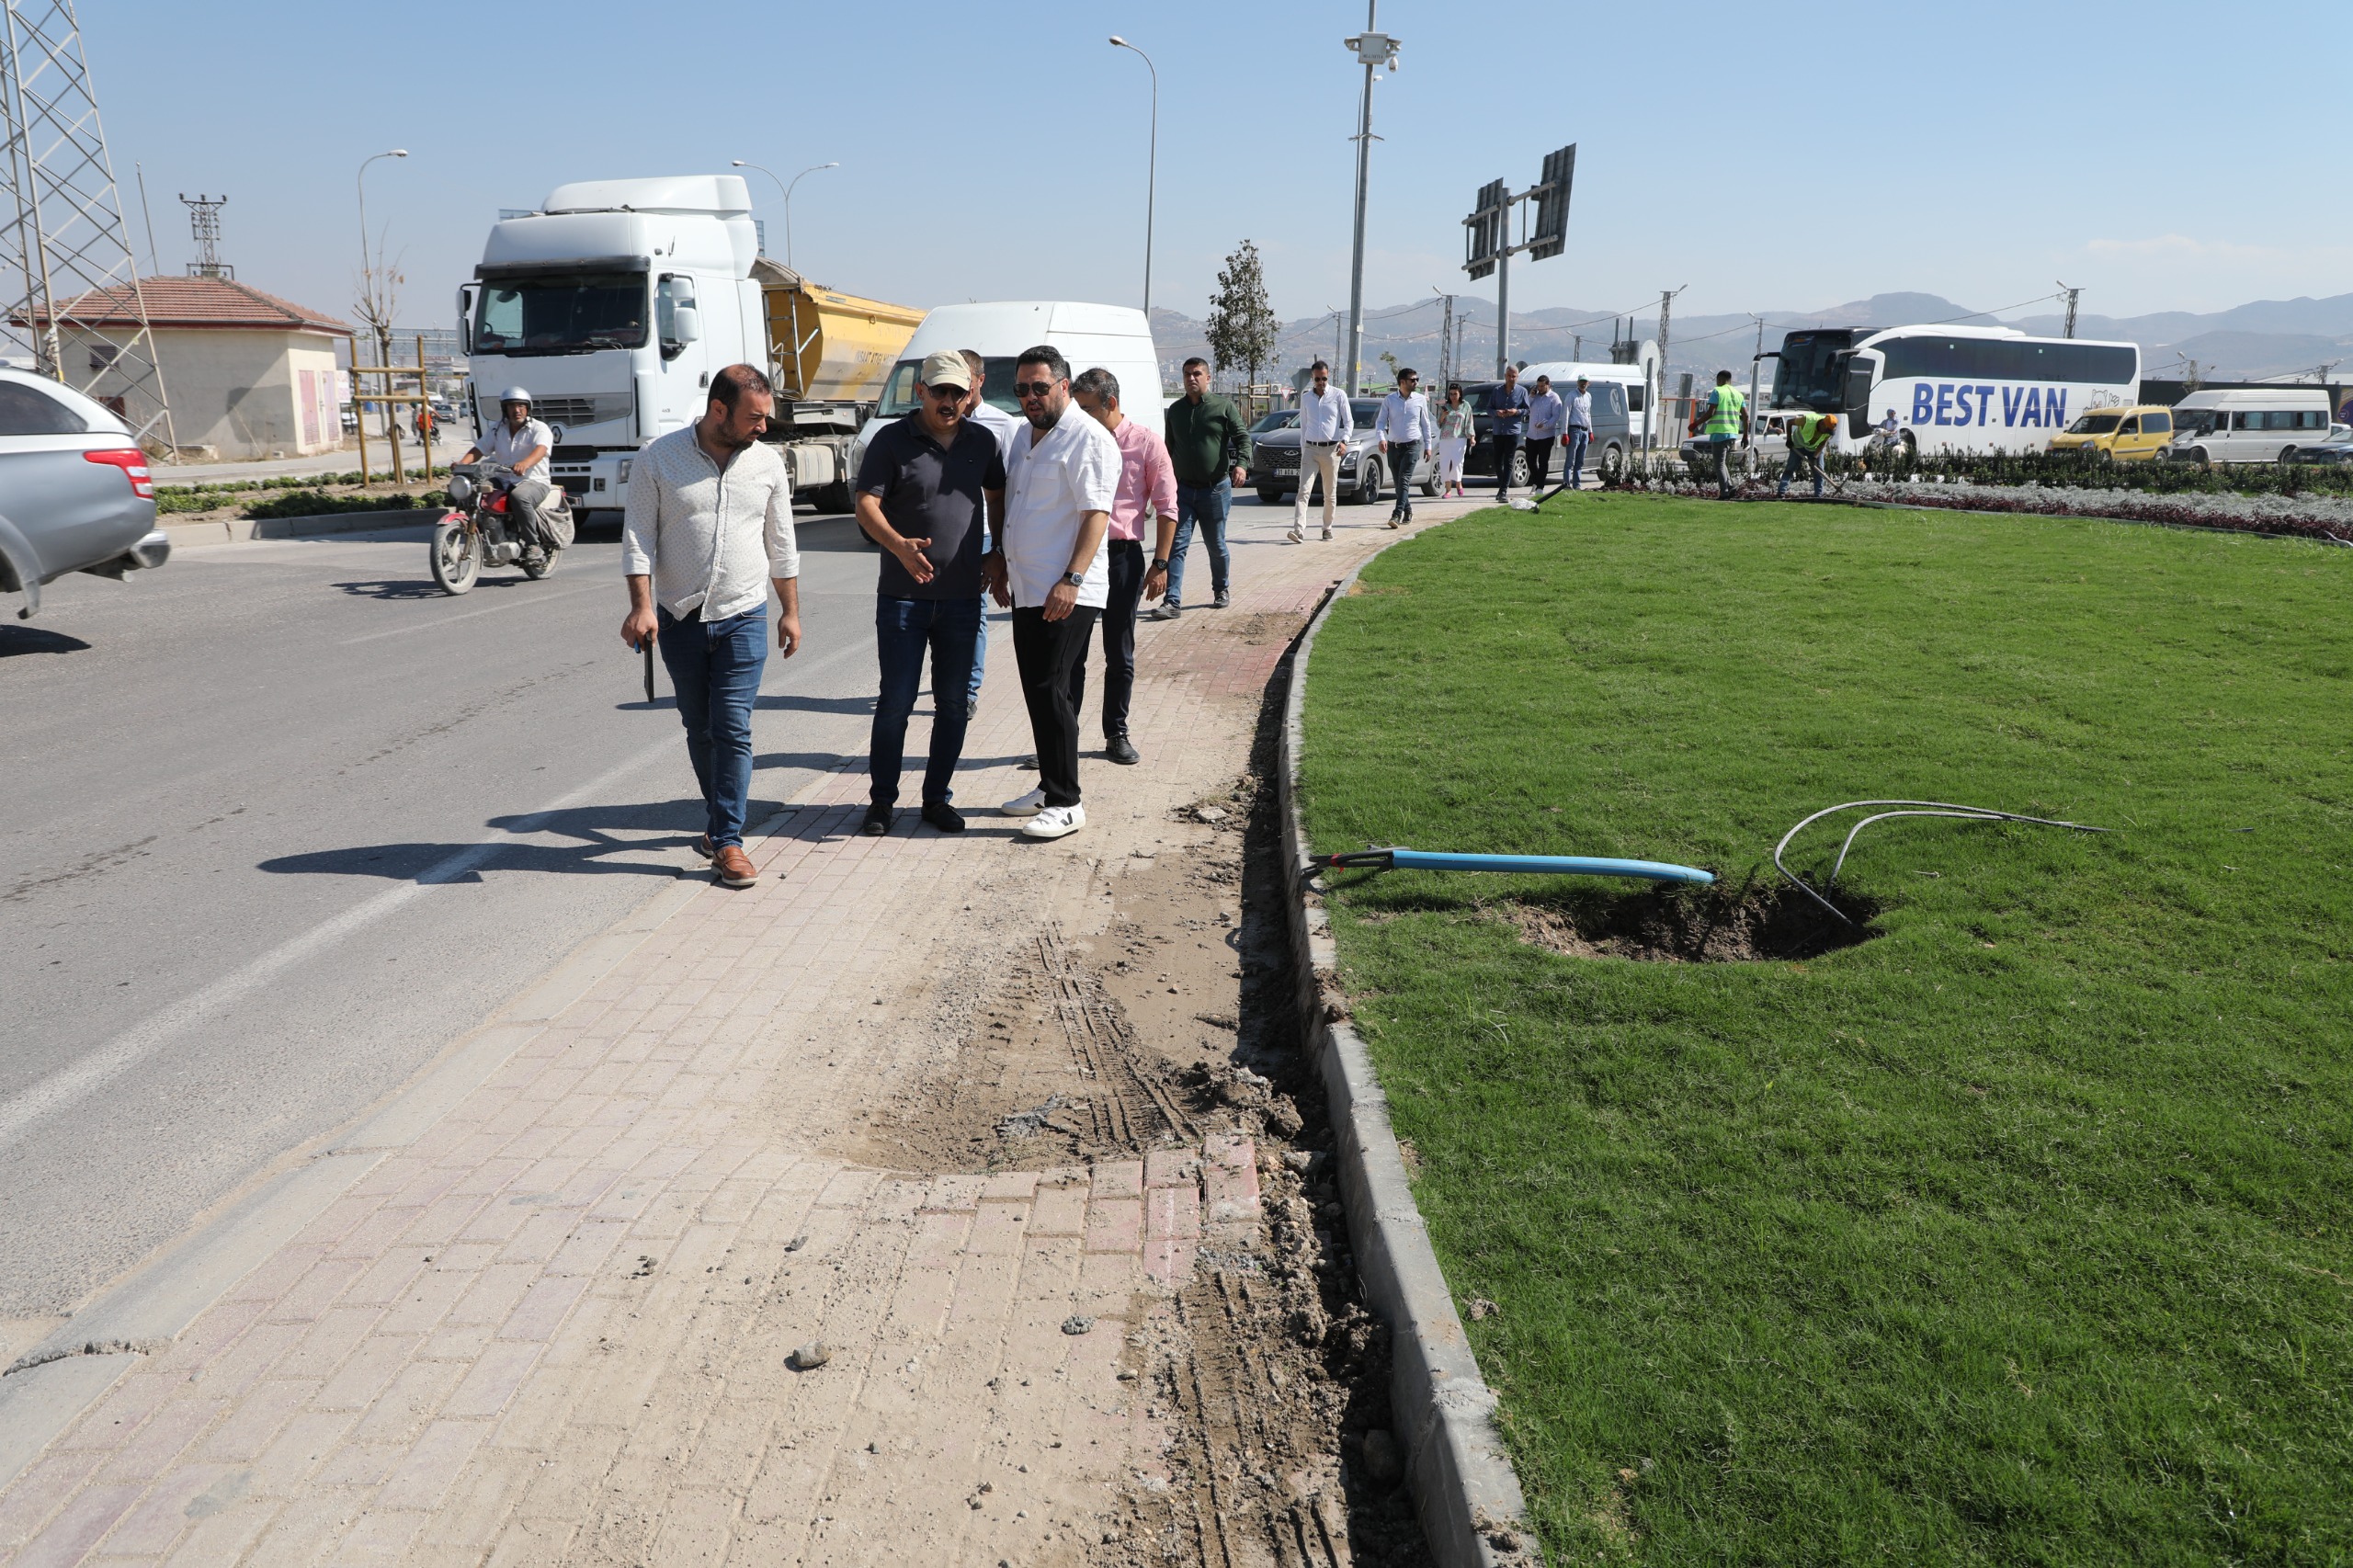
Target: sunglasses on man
[(1033, 389), (946, 394)]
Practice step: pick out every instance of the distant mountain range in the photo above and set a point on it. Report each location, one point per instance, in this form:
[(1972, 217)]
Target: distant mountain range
[(2266, 338)]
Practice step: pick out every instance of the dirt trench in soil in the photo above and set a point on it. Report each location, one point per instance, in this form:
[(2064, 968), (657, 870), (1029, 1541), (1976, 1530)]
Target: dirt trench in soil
[(1174, 1022)]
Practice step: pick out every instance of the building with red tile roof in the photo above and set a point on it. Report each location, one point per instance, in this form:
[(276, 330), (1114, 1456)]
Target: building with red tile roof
[(248, 374)]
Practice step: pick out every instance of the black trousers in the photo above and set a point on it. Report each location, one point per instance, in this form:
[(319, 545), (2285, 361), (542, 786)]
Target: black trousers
[(1048, 653), (1539, 461), (1118, 619)]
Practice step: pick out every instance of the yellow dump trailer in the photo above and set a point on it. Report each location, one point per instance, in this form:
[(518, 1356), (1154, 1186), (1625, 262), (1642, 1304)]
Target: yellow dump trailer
[(827, 345)]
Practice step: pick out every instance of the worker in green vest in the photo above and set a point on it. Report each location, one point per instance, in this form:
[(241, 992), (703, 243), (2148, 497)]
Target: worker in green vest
[(1809, 434), (1725, 411)]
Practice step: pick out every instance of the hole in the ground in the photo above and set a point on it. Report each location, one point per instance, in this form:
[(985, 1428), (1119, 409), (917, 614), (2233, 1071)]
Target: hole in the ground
[(1714, 925)]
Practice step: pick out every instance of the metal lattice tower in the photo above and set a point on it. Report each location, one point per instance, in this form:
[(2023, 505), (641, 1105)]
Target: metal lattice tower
[(204, 217), (67, 276)]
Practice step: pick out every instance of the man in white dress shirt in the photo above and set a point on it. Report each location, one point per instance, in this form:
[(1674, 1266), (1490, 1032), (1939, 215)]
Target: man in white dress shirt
[(708, 528), (1051, 564), (1406, 430), (1325, 423)]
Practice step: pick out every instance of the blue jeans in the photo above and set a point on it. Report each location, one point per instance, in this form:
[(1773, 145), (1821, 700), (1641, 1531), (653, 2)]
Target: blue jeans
[(1575, 441), (715, 669), (1403, 456), (979, 638), (950, 629), (1206, 505)]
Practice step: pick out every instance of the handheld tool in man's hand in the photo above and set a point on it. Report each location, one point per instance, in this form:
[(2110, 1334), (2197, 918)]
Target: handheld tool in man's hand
[(646, 646)]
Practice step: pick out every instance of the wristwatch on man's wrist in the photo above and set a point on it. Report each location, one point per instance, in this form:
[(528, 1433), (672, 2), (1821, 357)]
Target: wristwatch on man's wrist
[(1160, 565), (1073, 579)]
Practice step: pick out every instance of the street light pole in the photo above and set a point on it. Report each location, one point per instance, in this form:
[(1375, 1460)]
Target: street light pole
[(366, 267), (1152, 168), (745, 164), (376, 302)]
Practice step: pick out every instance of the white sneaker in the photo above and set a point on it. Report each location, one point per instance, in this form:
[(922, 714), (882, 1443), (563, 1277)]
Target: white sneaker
[(1053, 821), (1028, 805), (1295, 534)]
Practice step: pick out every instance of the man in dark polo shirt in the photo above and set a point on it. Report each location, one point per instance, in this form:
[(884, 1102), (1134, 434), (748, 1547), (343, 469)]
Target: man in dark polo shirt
[(921, 493)]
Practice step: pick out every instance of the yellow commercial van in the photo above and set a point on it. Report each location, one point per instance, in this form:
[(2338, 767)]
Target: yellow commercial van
[(2127, 435)]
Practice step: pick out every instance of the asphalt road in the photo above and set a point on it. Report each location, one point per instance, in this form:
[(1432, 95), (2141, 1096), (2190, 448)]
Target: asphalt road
[(283, 820)]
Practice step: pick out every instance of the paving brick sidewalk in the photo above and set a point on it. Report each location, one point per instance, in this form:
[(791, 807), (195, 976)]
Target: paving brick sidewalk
[(556, 1325)]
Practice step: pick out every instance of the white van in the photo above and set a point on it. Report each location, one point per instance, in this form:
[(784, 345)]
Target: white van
[(1630, 378), (2248, 425), (1617, 413), (1116, 337)]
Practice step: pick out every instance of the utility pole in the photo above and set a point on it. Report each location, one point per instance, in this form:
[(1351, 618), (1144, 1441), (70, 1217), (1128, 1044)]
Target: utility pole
[(204, 218), (2069, 330), (1445, 340), (1374, 48)]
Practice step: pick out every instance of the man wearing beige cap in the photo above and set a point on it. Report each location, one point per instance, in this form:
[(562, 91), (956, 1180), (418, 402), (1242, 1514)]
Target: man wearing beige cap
[(928, 483)]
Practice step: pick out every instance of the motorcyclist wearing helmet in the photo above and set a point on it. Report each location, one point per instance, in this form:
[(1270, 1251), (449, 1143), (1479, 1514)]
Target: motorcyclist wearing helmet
[(522, 443)]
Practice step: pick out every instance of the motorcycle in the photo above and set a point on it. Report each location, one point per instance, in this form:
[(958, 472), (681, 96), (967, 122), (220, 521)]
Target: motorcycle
[(485, 527)]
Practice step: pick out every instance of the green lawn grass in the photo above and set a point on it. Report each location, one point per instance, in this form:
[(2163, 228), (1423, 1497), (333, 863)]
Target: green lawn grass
[(2018, 1234)]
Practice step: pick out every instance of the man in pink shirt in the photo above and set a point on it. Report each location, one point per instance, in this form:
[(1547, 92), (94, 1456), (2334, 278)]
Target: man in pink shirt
[(1145, 482)]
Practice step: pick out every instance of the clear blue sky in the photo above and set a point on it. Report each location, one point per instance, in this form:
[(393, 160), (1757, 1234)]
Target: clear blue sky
[(2164, 156)]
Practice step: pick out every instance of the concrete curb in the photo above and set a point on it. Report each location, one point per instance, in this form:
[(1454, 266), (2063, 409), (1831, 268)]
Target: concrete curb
[(1465, 1490), (62, 1375), (240, 530)]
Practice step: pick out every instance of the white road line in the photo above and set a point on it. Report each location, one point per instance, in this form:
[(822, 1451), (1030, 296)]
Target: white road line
[(619, 594), (68, 1084), (64, 1087)]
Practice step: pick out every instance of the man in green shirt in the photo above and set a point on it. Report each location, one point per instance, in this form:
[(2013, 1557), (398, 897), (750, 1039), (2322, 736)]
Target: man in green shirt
[(1809, 434), (1209, 451)]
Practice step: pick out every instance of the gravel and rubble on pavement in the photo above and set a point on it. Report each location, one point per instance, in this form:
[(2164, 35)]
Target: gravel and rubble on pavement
[(938, 1199)]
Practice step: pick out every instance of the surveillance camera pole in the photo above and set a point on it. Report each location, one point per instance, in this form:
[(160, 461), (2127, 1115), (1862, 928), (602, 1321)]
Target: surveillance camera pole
[(1375, 49)]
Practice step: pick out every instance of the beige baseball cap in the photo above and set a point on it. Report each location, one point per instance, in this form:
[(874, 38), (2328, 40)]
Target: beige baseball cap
[(945, 368)]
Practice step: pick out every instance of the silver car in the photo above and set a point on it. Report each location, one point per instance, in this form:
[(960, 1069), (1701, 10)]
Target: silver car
[(75, 494)]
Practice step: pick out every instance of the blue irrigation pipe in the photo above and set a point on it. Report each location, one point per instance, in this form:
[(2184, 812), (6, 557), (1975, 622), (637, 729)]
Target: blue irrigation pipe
[(1558, 865)]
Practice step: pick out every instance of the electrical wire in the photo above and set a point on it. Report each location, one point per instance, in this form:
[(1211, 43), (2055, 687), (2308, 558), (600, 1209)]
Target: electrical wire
[(1906, 809)]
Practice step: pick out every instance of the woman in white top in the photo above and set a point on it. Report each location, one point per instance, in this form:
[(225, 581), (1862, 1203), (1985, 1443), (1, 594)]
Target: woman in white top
[(1455, 428)]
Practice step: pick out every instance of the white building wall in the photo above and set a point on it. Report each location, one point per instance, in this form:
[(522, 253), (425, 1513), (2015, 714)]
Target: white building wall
[(240, 390)]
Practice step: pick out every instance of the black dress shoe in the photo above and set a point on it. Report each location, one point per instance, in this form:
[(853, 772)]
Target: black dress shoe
[(877, 821), (1121, 750), (943, 816)]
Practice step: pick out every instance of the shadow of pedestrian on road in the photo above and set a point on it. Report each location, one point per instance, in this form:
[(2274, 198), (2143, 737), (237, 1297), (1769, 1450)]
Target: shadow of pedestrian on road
[(607, 840)]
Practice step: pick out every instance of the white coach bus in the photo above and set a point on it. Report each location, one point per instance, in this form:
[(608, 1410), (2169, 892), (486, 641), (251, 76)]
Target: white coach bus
[(1951, 388)]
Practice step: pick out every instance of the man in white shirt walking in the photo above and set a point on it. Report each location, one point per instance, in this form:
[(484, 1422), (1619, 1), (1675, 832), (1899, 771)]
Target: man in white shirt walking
[(709, 506), (1406, 430), (1544, 416), (1325, 423), (1052, 566)]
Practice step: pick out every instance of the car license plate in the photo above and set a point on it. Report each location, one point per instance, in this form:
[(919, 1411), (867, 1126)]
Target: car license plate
[(1286, 467)]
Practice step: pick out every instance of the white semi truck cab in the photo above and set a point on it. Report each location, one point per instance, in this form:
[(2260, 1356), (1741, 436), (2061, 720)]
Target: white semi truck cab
[(613, 304)]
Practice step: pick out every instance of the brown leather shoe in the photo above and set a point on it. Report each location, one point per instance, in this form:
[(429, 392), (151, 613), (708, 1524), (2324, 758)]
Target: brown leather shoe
[(734, 867)]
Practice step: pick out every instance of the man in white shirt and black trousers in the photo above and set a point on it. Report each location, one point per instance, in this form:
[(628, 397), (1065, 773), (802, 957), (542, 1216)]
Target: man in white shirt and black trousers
[(1051, 564), (709, 526)]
